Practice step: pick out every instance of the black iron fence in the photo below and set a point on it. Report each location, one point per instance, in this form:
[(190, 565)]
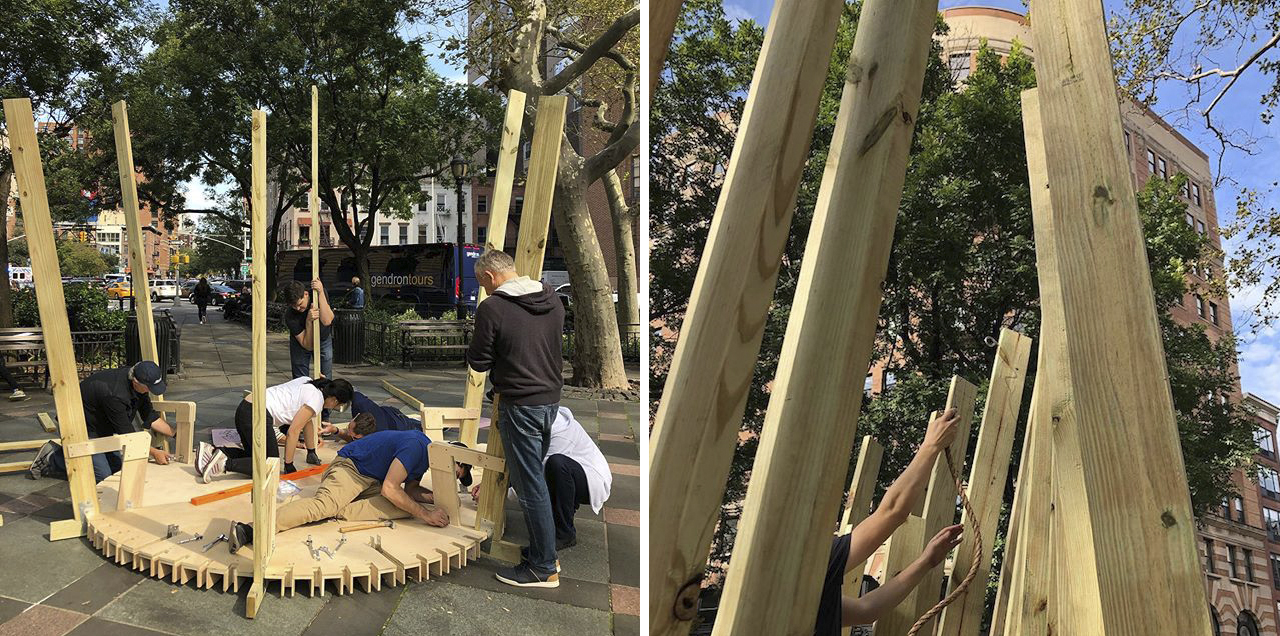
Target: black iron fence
[(98, 350), (384, 343)]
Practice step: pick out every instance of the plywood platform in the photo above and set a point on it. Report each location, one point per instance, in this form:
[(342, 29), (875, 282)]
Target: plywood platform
[(136, 538)]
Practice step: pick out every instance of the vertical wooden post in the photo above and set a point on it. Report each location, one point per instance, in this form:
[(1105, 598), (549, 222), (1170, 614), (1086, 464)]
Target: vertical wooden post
[(1119, 474), (904, 548), (64, 380), (134, 449), (535, 221), (783, 539), (987, 474), (663, 15), (313, 202), (696, 428), (861, 490), (133, 227), (499, 207), (263, 520)]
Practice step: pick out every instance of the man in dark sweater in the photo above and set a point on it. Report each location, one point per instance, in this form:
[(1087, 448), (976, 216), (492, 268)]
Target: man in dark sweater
[(517, 340)]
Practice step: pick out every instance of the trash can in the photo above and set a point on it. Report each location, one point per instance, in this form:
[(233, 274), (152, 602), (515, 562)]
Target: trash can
[(168, 341), (348, 336)]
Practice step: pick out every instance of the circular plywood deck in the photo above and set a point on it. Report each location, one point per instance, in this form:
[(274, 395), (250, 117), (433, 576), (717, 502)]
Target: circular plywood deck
[(136, 538)]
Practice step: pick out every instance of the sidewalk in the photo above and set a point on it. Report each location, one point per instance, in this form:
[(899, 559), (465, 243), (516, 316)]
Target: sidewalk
[(67, 587)]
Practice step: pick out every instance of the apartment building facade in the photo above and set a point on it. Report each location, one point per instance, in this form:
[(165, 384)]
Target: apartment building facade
[(433, 220)]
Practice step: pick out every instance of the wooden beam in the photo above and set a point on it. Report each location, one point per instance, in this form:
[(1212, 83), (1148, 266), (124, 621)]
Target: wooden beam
[(904, 548), (987, 474), (696, 428), (133, 227), (444, 486), (663, 15), (47, 423), (64, 378), (1126, 507), (184, 415), (264, 472), (134, 449), (535, 221), (6, 447), (861, 489), (402, 395), (313, 200), (499, 208), (14, 467)]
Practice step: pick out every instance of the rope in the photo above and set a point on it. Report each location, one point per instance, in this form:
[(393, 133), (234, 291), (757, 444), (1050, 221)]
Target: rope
[(977, 553)]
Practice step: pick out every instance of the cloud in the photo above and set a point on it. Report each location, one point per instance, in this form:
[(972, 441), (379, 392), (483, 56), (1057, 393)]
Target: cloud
[(736, 12)]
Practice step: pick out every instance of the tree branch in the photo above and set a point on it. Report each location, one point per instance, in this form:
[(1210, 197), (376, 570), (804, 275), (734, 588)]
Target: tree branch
[(602, 45)]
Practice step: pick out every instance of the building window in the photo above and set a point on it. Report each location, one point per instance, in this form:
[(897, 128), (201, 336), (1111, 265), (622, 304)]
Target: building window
[(1269, 483), (1239, 506), (1248, 564), (304, 235), (1151, 163), (1266, 443), (482, 204), (404, 233), (422, 206), (1199, 305), (1213, 312), (422, 233), (635, 178), (1208, 556), (325, 238), (1231, 561), (1186, 190), (384, 234), (1200, 227), (482, 234), (1191, 221), (960, 66), (1246, 624), (1164, 169), (1195, 193), (1275, 571)]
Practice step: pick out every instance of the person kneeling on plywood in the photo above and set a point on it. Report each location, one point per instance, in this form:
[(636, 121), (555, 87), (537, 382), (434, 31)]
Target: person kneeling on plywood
[(850, 550), (374, 478)]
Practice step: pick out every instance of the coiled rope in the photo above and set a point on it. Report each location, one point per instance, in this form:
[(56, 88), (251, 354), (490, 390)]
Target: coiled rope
[(977, 551)]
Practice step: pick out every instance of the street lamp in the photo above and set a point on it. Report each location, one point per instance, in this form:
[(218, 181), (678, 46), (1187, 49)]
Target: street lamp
[(459, 169)]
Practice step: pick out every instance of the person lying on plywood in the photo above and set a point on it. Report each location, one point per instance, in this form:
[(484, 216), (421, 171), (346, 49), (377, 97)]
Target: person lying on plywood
[(385, 418), (374, 478), (853, 549)]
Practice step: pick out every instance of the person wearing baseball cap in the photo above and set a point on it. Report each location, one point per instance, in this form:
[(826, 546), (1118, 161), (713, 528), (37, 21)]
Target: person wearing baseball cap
[(112, 398)]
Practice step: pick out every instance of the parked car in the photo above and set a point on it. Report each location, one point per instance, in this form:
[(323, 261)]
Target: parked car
[(119, 289), (187, 286), (219, 295), (162, 288)]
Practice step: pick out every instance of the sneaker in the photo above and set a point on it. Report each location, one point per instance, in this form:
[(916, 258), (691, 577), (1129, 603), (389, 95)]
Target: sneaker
[(217, 466), (523, 576), (41, 462), (203, 456), (313, 458), (17, 395), (524, 557), (240, 535)]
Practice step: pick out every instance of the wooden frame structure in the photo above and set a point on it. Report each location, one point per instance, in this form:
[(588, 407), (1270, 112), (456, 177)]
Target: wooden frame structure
[(861, 488), (313, 202)]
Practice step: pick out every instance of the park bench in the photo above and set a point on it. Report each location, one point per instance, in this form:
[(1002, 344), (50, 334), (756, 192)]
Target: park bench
[(23, 351), (429, 336)]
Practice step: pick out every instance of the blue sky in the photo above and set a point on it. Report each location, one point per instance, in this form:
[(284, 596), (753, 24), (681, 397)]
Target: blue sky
[(1260, 352)]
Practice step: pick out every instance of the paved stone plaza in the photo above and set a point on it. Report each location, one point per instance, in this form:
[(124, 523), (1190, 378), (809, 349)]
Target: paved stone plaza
[(67, 587)]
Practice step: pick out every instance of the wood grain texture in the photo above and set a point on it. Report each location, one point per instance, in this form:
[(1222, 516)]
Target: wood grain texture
[(904, 548), (663, 15), (1126, 508), (986, 485), (499, 210), (696, 427), (861, 488), (263, 471), (313, 203), (794, 493), (64, 378), (133, 228)]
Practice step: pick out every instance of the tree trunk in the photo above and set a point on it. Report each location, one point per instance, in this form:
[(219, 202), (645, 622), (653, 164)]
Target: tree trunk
[(6, 298), (597, 359), (273, 238), (624, 249)]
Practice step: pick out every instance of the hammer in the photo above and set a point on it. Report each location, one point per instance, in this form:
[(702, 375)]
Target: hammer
[(368, 526)]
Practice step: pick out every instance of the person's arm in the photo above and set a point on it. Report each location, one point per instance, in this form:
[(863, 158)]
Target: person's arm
[(397, 474), (304, 335), (873, 605), (153, 419), (326, 312), (480, 353), (419, 494), (901, 498), (300, 419)]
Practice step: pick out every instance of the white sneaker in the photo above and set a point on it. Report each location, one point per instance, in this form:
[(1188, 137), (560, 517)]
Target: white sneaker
[(217, 466), (203, 456), (17, 395)]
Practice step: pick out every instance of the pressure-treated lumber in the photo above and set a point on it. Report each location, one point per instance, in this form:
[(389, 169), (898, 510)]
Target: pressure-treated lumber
[(940, 499), (46, 423), (402, 395), (134, 449), (6, 447), (987, 474), (200, 500), (14, 467), (784, 536), (263, 472), (313, 201), (133, 227), (499, 209), (1122, 502), (696, 428), (184, 424), (535, 221), (861, 489), (662, 25), (64, 379), (911, 535), (445, 486)]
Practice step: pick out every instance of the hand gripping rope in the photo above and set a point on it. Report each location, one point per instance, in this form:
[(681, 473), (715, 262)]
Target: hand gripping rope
[(977, 552)]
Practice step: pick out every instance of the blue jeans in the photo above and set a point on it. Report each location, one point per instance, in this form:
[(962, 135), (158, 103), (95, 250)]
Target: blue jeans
[(104, 465), (300, 363), (526, 435)]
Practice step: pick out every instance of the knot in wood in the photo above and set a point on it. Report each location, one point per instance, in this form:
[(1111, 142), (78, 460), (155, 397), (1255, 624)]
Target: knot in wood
[(1168, 519), (686, 607)]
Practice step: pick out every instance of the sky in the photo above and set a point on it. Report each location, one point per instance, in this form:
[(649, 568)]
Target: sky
[(1260, 351)]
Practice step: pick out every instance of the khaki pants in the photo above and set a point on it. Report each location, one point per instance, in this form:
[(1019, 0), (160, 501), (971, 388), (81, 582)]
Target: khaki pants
[(345, 494)]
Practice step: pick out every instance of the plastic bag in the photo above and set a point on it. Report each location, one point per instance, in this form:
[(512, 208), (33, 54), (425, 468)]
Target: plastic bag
[(286, 489)]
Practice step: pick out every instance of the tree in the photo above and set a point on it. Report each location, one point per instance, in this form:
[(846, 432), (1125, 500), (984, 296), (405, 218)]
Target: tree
[(585, 49), (58, 53), (212, 254), (76, 258)]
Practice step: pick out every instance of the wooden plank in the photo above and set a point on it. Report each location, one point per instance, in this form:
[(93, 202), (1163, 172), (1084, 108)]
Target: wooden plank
[(986, 485), (939, 510), (133, 227), (14, 467), (1127, 508), (135, 449), (402, 395), (64, 379), (200, 500), (94, 446), (444, 486), (184, 421), (264, 544), (535, 222), (904, 548), (264, 535), (662, 25), (696, 427), (313, 200), (27, 445), (47, 423), (861, 489), (455, 414), (499, 209)]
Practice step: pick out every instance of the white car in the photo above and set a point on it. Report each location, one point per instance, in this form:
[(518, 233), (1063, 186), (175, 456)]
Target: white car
[(163, 288)]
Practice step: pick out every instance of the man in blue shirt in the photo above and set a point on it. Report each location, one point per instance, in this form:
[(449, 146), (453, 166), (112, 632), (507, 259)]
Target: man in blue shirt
[(374, 478), (357, 294), (387, 418)]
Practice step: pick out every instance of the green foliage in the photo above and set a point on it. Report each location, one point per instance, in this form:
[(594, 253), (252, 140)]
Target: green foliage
[(86, 309), (82, 259)]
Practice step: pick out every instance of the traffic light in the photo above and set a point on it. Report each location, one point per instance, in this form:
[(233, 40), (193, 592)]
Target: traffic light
[(175, 259), (186, 258)]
